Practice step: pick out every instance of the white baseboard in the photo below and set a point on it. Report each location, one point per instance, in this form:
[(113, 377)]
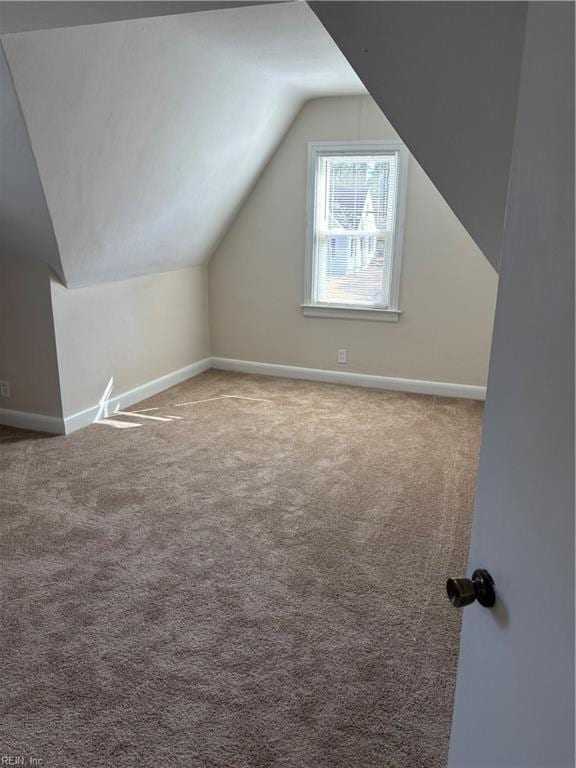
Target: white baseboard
[(60, 426), (442, 388), (37, 422), (64, 426), (130, 397)]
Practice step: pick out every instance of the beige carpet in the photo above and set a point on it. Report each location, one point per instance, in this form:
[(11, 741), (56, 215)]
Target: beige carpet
[(258, 582)]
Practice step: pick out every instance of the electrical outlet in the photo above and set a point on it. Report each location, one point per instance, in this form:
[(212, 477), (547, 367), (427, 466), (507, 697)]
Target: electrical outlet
[(342, 358), (4, 389)]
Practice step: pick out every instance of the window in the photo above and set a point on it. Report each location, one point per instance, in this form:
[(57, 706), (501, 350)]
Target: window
[(356, 195)]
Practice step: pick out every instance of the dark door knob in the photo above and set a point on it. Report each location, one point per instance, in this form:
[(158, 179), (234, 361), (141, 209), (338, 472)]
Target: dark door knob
[(480, 587)]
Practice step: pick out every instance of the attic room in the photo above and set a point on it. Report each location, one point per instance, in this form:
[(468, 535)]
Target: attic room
[(250, 265)]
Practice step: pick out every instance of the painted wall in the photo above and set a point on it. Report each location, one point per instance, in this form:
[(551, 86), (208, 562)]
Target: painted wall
[(27, 341), (149, 133), (132, 331), (256, 276), (423, 60), (515, 692)]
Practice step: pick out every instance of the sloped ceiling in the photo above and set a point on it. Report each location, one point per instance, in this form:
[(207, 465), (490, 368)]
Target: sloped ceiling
[(149, 133), (25, 224), (446, 75), (25, 15)]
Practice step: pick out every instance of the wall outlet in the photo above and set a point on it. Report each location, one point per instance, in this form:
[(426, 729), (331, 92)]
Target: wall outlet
[(342, 357), (4, 389)]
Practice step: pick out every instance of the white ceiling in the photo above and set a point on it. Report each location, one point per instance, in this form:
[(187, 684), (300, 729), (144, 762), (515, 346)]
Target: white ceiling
[(148, 134), (25, 224), (447, 77), (26, 15)]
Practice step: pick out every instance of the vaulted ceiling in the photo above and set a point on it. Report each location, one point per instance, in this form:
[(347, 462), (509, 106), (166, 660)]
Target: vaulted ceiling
[(128, 146), (146, 135), (446, 75), (26, 15)]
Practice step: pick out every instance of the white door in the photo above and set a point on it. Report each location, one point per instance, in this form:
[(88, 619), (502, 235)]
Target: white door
[(483, 94), (515, 693)]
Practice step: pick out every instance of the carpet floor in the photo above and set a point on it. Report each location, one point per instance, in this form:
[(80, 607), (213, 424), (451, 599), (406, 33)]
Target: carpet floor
[(248, 573)]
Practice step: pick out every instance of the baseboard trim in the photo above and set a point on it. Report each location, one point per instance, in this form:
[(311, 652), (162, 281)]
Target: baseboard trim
[(416, 386), (37, 422), (83, 418), (64, 426)]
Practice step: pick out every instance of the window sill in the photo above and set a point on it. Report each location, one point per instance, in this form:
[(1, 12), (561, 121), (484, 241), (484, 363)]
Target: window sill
[(351, 313)]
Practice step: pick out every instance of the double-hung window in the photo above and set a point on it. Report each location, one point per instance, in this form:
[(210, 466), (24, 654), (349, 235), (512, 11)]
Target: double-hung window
[(356, 200)]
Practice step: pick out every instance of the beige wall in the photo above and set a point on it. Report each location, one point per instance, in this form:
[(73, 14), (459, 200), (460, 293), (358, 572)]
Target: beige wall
[(27, 346), (133, 331), (256, 276)]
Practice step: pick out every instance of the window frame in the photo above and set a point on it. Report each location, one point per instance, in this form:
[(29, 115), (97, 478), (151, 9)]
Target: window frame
[(317, 149)]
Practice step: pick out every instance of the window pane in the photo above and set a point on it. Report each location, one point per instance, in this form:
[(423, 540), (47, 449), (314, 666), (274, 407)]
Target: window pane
[(355, 211)]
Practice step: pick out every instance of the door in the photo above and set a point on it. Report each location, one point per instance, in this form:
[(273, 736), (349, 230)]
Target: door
[(515, 693), (483, 94)]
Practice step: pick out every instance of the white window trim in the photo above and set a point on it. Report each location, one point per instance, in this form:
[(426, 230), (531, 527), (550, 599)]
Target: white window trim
[(355, 312)]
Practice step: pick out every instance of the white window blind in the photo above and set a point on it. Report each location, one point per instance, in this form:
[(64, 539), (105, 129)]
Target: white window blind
[(355, 215)]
